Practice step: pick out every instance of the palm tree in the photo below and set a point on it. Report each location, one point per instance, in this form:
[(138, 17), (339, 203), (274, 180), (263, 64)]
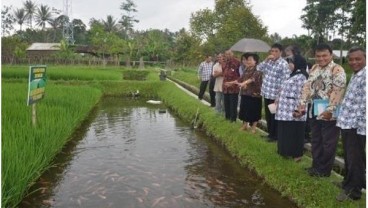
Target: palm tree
[(57, 24), (110, 24), (30, 8), (79, 31), (20, 16), (43, 16)]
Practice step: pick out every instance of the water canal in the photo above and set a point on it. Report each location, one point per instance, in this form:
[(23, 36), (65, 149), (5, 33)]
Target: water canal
[(131, 154)]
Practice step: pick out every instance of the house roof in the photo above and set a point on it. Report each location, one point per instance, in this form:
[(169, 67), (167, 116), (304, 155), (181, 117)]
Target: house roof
[(44, 47), (336, 53)]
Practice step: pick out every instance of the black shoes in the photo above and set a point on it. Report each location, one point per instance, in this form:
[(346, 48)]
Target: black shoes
[(271, 140), (337, 184), (314, 173), (343, 196)]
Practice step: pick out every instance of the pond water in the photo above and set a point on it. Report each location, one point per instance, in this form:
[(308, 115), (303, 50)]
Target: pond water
[(133, 154)]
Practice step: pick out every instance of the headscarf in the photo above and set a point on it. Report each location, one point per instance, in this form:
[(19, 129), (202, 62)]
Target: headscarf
[(300, 66)]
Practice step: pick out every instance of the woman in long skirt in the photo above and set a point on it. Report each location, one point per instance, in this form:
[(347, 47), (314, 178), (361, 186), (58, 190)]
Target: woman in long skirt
[(291, 128), (251, 100)]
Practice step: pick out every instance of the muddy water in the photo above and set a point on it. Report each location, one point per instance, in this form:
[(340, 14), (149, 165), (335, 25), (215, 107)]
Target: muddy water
[(131, 154)]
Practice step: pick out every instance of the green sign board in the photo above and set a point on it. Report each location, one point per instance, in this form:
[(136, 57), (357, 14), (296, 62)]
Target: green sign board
[(36, 83)]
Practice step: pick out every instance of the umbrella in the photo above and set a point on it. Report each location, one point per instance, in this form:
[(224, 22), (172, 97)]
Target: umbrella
[(250, 45)]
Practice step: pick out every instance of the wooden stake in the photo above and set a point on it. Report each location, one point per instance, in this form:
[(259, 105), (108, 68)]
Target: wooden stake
[(34, 117)]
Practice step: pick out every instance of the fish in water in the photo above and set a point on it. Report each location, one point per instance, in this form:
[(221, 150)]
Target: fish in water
[(145, 189), (156, 102), (156, 201)]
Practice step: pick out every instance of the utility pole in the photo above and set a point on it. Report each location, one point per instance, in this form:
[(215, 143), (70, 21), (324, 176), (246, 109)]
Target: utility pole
[(68, 33)]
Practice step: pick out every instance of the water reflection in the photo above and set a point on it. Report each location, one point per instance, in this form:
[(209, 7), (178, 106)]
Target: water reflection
[(131, 155)]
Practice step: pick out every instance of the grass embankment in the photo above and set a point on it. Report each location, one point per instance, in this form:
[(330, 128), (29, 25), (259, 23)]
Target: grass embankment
[(286, 176), (28, 151)]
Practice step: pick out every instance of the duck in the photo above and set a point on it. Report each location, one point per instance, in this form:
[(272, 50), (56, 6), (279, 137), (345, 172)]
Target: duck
[(135, 94)]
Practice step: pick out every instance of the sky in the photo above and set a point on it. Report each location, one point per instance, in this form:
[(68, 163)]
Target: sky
[(281, 16)]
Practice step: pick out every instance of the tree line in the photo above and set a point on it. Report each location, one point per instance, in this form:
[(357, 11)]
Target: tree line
[(211, 30)]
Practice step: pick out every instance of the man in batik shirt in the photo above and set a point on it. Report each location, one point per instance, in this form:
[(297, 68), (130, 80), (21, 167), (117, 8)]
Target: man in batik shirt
[(326, 82), (351, 121), (231, 91), (275, 71)]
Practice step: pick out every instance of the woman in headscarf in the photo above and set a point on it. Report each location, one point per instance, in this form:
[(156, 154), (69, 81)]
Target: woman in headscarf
[(291, 127)]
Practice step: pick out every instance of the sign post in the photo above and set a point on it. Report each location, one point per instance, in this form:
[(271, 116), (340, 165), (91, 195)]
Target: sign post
[(36, 88)]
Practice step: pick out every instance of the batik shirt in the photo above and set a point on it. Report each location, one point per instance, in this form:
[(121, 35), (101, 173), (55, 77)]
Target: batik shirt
[(352, 111), (205, 70), (230, 73), (288, 100), (254, 88), (326, 83), (274, 74)]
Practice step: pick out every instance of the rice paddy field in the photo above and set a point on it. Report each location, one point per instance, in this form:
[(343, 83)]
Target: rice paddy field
[(27, 150), (71, 94)]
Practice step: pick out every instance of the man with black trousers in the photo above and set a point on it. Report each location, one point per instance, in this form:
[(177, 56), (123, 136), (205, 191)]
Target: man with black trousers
[(211, 91), (351, 121), (326, 84), (275, 71), (204, 74)]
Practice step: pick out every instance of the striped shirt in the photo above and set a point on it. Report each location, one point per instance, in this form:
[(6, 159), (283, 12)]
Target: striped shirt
[(274, 74), (353, 110), (205, 70)]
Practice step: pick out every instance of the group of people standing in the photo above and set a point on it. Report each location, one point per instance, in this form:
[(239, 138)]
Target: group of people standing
[(295, 91), (231, 79)]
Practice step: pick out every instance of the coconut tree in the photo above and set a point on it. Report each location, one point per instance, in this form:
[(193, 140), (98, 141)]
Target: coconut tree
[(30, 8), (57, 23), (79, 29), (110, 24), (43, 16), (128, 19), (7, 20), (20, 16)]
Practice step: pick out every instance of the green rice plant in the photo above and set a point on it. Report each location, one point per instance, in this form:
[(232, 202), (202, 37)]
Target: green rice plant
[(187, 75), (135, 74), (147, 89), (65, 73), (28, 150)]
